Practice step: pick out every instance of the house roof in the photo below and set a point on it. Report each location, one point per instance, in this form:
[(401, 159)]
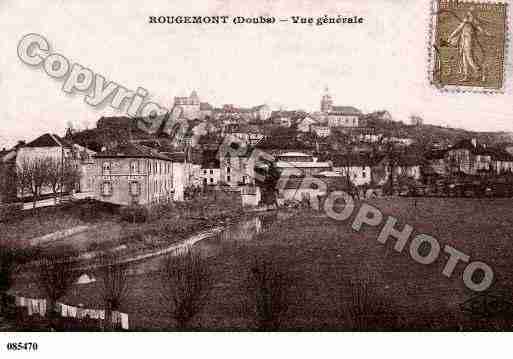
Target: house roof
[(499, 154), (299, 165), (409, 160), (328, 174), (132, 150), (467, 145), (435, 154), (210, 162), (294, 154), (347, 110), (48, 140)]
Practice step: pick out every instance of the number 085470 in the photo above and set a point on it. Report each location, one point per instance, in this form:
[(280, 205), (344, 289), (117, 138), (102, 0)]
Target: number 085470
[(27, 346)]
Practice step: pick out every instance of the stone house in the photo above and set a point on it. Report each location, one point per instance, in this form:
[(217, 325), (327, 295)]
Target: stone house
[(134, 174), (301, 164), (63, 152), (343, 116), (358, 168), (237, 170)]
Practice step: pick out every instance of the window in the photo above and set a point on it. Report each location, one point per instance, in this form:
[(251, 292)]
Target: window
[(211, 180), (107, 188), (363, 174), (106, 168), (227, 178), (211, 172), (134, 167), (204, 172), (135, 188), (228, 169)]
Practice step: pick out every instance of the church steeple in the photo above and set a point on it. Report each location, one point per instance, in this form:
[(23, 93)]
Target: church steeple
[(326, 101)]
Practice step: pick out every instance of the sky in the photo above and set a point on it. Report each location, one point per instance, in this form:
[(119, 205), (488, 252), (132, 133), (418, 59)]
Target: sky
[(380, 64)]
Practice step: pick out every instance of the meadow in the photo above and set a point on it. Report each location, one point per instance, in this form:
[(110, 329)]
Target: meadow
[(335, 278)]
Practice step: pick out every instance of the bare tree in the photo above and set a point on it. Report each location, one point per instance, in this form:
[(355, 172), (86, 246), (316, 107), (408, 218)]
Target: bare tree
[(24, 178), (34, 175), (115, 286), (55, 177), (56, 277), (8, 182), (268, 287), (186, 280), (367, 309), (71, 176), (10, 257), (347, 167)]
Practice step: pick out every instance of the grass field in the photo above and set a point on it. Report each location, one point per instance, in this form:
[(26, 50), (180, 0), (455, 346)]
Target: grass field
[(339, 279)]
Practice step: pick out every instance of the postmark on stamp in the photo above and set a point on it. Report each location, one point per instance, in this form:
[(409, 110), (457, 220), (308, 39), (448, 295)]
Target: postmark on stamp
[(468, 45)]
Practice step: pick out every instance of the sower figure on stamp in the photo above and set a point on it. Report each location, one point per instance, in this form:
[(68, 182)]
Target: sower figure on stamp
[(465, 37)]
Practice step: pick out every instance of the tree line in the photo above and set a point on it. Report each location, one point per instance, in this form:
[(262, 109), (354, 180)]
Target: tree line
[(31, 176)]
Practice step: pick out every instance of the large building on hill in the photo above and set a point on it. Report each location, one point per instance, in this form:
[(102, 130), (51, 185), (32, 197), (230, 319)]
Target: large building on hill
[(235, 113), (190, 107), (339, 116)]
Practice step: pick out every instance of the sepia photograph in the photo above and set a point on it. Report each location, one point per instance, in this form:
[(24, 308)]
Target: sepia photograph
[(327, 172)]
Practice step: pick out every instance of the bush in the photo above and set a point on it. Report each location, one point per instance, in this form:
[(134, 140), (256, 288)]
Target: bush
[(187, 281), (89, 210), (10, 212), (134, 214)]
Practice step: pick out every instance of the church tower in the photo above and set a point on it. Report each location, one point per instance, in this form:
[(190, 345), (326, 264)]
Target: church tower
[(326, 102)]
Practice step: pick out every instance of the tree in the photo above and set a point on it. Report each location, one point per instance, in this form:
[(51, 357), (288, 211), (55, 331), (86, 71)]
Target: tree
[(267, 179), (114, 286), (186, 280), (10, 257), (366, 309), (8, 182), (268, 284), (347, 164), (23, 178), (71, 176), (55, 176), (56, 277), (33, 175)]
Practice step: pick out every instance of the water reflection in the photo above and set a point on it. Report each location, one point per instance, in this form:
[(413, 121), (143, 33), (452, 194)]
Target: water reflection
[(243, 231)]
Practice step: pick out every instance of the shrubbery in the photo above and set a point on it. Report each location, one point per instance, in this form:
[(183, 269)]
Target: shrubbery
[(10, 212), (134, 214), (89, 210)]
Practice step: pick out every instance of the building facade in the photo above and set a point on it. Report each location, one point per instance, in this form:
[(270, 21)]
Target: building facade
[(62, 152), (236, 171), (343, 116), (188, 106), (132, 174), (339, 116), (300, 164)]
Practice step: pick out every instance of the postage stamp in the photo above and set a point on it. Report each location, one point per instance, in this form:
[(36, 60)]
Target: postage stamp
[(468, 42)]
